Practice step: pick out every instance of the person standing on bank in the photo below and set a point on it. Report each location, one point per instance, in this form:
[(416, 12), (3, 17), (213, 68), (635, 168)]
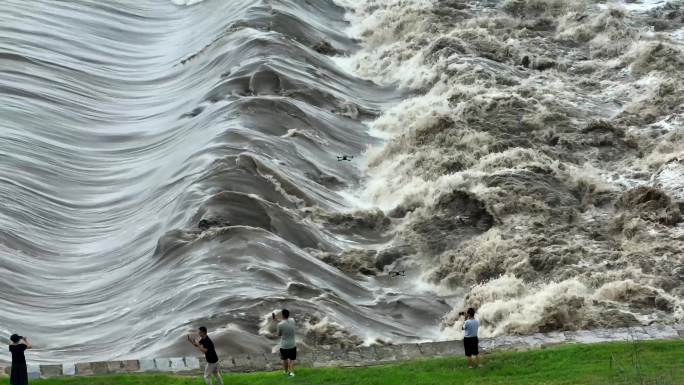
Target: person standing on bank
[(206, 346), (288, 347), (17, 347), (470, 341)]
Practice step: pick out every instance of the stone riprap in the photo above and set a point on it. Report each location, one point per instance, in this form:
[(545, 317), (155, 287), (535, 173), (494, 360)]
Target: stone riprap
[(364, 356)]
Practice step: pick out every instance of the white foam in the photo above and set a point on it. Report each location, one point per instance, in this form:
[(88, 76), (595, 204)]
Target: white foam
[(397, 50), (345, 63), (186, 2), (678, 36), (509, 305), (355, 200), (671, 179), (642, 6)]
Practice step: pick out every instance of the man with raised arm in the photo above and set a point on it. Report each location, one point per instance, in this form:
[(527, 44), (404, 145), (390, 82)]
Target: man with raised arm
[(288, 347), (18, 345), (206, 346)]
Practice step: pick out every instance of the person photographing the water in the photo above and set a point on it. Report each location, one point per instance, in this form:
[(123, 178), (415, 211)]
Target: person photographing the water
[(206, 346), (470, 340), (17, 347), (288, 347)]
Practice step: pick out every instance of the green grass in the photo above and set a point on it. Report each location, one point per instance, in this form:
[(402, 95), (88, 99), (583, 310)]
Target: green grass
[(661, 362)]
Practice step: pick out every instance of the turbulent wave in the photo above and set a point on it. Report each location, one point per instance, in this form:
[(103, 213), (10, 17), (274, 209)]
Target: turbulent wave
[(167, 166), (554, 126)]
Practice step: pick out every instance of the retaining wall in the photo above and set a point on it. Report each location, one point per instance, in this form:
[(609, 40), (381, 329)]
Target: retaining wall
[(364, 356)]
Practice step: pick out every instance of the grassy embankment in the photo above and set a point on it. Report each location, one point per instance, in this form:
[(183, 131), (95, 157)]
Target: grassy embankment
[(654, 362)]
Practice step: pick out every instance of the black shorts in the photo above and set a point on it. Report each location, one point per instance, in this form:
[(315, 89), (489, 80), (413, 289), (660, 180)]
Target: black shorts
[(288, 354), (470, 345)]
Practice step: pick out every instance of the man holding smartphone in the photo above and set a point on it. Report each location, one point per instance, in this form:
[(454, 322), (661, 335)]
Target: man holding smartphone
[(288, 347), (206, 346), (19, 374), (470, 340)]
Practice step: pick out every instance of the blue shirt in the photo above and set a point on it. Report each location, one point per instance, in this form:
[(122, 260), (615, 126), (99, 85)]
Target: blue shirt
[(470, 327)]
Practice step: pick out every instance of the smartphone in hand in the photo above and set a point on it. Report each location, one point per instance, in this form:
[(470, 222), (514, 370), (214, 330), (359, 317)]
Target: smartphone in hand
[(273, 315)]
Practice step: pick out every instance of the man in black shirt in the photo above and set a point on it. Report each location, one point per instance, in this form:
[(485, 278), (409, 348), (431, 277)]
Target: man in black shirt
[(206, 346)]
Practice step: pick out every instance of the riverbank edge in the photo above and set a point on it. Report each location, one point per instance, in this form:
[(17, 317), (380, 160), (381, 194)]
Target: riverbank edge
[(357, 357)]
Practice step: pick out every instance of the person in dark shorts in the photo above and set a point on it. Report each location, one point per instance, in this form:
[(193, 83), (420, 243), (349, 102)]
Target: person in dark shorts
[(206, 346), (17, 347), (288, 347), (470, 341)]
